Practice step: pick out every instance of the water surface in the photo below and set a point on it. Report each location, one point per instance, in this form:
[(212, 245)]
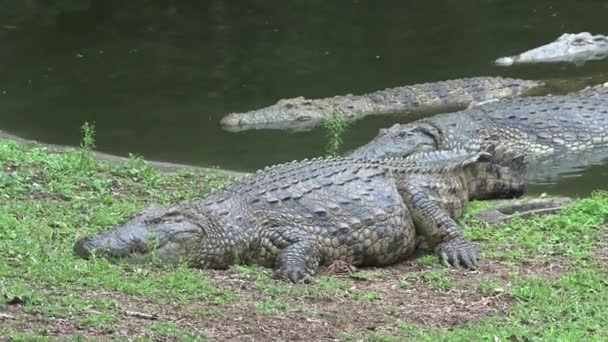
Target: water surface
[(156, 76)]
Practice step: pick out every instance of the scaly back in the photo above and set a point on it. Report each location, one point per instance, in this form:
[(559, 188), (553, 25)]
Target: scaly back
[(328, 171)]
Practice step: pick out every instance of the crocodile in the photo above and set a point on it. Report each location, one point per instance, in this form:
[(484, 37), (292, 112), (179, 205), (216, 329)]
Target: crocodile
[(302, 114), (550, 128), (501, 212), (576, 48), (300, 215)]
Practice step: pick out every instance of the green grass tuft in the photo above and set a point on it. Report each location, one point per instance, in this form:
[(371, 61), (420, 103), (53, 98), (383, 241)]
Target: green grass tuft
[(48, 200), (336, 126)]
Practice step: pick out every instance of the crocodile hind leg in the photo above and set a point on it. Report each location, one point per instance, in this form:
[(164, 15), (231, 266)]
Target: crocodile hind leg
[(298, 261), (439, 229), (296, 253)]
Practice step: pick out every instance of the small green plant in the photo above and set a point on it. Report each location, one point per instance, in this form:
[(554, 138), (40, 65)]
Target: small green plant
[(335, 125), (438, 280), (490, 287), (87, 145), (88, 136), (274, 306)]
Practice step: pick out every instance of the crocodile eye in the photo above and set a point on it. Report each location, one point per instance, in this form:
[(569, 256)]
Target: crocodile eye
[(579, 41), (402, 134)]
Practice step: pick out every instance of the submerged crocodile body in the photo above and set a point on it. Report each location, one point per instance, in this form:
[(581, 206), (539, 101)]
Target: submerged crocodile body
[(538, 127), (577, 48), (297, 216), (301, 114)]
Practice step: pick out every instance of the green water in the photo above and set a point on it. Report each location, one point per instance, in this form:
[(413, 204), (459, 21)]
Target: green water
[(156, 76)]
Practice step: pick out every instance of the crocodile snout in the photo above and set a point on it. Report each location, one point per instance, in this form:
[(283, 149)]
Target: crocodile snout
[(505, 61), (83, 247)]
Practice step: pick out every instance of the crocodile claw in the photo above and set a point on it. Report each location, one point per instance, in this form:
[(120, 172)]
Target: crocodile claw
[(293, 274), (458, 253)]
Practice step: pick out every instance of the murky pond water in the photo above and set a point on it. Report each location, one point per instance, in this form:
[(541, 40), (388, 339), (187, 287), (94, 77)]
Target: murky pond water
[(156, 76)]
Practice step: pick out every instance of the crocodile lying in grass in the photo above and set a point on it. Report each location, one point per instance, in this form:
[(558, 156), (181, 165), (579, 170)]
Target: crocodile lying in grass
[(300, 113), (576, 48), (539, 127), (297, 216)]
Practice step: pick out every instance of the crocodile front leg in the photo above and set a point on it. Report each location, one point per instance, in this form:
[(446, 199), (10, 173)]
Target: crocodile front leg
[(440, 230), (295, 252)]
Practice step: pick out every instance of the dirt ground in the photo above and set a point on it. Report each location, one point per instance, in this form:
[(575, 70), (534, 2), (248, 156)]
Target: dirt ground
[(402, 293)]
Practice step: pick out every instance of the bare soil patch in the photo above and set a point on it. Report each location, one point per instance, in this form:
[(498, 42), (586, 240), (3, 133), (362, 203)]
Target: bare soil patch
[(400, 293)]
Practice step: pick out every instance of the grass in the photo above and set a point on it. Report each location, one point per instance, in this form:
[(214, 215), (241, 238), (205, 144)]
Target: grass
[(541, 279), (335, 126)]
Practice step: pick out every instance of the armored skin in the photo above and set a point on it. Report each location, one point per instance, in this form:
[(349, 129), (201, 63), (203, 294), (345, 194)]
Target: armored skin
[(538, 127), (297, 216), (576, 48), (433, 97)]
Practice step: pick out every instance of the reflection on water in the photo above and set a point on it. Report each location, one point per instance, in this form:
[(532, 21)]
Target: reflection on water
[(156, 76), (575, 175)]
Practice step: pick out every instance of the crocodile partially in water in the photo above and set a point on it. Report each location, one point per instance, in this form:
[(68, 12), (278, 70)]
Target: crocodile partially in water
[(300, 113), (297, 216), (577, 48), (538, 127)]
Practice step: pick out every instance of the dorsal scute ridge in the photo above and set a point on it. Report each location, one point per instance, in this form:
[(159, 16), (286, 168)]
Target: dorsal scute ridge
[(421, 162)]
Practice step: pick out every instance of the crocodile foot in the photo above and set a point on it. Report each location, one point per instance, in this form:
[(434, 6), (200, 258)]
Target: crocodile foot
[(295, 275), (521, 208), (458, 253), (340, 267)]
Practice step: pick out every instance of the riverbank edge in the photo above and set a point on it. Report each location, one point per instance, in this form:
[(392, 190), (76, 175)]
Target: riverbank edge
[(165, 167)]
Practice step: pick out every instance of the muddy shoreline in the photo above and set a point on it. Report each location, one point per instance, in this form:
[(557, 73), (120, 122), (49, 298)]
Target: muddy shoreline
[(160, 166)]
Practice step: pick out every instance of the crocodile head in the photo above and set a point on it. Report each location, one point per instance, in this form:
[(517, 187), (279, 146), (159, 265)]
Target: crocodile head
[(296, 114), (157, 233), (399, 141), (576, 48)]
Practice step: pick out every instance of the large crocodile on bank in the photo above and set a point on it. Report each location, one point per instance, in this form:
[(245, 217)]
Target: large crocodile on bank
[(577, 48), (297, 216), (300, 113), (538, 127)]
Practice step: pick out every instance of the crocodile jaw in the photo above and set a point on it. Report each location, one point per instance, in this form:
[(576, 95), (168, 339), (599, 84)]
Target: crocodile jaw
[(576, 48), (297, 114), (140, 240), (397, 141)]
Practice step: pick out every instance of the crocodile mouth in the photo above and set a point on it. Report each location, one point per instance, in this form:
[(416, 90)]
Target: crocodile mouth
[(142, 241), (576, 48), (399, 142), (134, 245)]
